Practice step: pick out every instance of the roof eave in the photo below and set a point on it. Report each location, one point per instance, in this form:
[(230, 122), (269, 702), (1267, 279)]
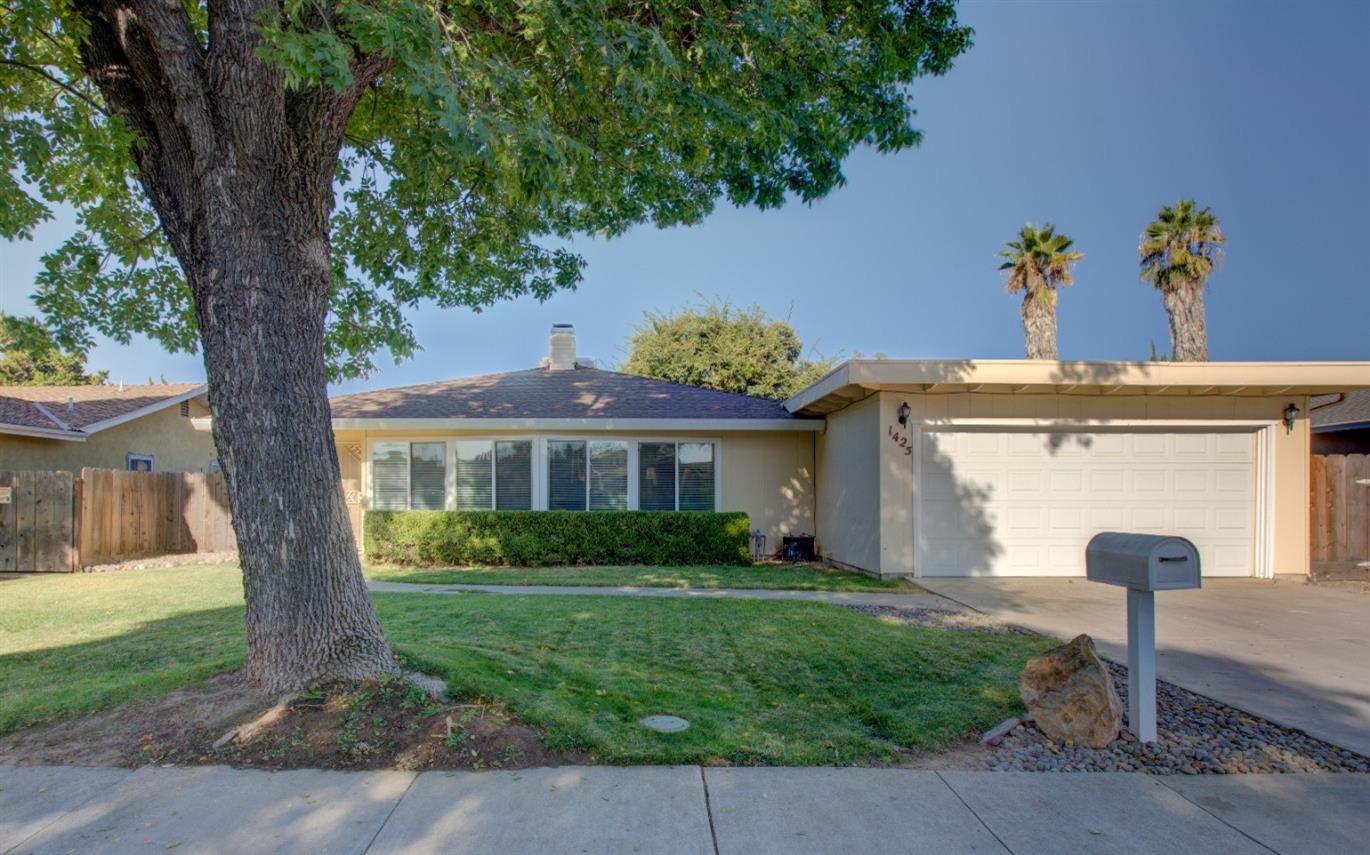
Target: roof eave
[(580, 424), (855, 379), (95, 427), (42, 433)]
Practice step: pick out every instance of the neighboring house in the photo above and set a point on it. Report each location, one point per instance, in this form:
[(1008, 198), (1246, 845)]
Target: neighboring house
[(161, 427), (900, 467), (1341, 423)]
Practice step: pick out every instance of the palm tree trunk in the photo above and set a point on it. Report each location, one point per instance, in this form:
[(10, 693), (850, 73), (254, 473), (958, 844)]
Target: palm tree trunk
[(1039, 323), (1188, 329)]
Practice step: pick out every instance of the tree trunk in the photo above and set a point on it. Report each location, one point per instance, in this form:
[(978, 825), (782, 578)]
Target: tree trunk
[(1039, 323), (240, 170), (1188, 329)]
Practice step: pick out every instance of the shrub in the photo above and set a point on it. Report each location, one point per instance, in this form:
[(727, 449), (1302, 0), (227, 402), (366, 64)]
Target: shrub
[(545, 538)]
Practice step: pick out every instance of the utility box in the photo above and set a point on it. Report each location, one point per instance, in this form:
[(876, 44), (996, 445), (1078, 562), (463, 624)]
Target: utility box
[(1143, 562)]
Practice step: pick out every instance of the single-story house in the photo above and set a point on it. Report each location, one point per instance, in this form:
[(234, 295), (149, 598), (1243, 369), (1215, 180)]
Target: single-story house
[(1341, 423), (922, 468), (160, 427)]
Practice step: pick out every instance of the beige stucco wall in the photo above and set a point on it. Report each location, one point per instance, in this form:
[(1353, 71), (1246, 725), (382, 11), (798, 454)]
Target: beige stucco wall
[(767, 474), (848, 466), (166, 434), (845, 469)]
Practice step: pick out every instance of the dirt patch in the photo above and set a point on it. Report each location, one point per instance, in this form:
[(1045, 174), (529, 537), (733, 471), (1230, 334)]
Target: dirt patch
[(390, 724), (177, 559)]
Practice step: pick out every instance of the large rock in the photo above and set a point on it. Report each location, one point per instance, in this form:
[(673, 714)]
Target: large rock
[(1070, 694)]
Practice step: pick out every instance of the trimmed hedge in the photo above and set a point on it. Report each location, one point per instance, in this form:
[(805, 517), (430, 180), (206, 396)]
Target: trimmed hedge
[(551, 538)]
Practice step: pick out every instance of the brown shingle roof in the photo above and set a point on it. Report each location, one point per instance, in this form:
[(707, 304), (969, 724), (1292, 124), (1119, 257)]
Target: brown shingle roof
[(90, 404), (539, 393), (1352, 409)]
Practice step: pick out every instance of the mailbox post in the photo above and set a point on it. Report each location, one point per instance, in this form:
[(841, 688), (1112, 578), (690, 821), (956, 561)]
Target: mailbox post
[(1143, 564)]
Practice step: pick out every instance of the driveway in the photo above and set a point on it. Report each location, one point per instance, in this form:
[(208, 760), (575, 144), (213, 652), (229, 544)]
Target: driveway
[(1294, 653)]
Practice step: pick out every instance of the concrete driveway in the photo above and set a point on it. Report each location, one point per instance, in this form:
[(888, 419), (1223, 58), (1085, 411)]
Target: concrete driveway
[(1294, 653)]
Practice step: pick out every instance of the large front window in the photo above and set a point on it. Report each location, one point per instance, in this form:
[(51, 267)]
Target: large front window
[(559, 474)]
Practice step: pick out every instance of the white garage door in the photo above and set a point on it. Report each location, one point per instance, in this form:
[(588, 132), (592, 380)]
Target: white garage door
[(1025, 504)]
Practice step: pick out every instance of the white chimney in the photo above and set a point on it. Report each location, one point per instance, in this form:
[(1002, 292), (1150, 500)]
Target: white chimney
[(561, 349)]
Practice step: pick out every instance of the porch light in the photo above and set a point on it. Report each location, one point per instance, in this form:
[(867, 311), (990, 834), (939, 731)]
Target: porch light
[(904, 414), (1291, 413)]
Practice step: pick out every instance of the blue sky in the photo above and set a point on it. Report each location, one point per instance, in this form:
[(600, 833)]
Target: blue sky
[(1086, 114)]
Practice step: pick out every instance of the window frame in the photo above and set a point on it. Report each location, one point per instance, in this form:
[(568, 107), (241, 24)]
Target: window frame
[(129, 457), (539, 459)]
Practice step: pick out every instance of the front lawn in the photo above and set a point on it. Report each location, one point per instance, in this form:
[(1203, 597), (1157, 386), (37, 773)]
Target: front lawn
[(761, 682), (793, 577)]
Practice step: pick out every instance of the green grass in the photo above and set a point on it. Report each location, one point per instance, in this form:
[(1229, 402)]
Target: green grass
[(761, 682), (79, 643), (794, 577)]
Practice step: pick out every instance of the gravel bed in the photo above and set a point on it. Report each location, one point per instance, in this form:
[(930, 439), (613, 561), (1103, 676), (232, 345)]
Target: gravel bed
[(174, 560), (1197, 736)]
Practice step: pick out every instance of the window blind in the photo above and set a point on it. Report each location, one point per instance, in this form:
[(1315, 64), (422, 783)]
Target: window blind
[(428, 476), (608, 476), (474, 470), (514, 476), (566, 475), (696, 461), (656, 476), (390, 476)]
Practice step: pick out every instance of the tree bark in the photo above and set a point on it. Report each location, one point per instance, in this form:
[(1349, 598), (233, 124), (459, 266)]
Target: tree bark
[(241, 171), (1039, 323), (1188, 329)]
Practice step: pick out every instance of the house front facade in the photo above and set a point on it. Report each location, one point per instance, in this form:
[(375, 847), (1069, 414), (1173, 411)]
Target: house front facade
[(901, 468)]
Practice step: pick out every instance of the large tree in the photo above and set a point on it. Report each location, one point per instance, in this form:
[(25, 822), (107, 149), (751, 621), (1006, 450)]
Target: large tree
[(276, 182), (1179, 250), (30, 357), (1038, 264), (720, 346)]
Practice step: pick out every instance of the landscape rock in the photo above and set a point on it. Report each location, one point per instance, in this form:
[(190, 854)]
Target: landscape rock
[(1070, 694)]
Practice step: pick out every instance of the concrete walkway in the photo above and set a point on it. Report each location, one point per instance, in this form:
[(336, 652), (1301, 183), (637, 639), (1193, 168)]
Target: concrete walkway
[(674, 810), (1290, 652), (841, 598)]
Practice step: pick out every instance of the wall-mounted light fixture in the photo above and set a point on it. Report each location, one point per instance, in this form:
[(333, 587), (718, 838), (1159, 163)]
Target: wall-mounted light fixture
[(904, 414), (1291, 413)]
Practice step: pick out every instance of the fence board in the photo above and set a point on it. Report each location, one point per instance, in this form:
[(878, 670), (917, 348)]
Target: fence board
[(9, 528), (1339, 515)]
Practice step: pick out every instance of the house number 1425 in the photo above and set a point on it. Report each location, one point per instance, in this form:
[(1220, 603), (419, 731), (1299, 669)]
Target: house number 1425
[(900, 440)]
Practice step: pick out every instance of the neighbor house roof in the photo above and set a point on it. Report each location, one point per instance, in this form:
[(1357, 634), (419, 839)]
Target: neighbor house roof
[(1352, 411), (566, 398), (857, 378), (75, 412)]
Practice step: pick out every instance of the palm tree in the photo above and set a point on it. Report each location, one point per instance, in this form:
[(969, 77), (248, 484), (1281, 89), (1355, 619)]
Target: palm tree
[(1039, 262), (1179, 250)]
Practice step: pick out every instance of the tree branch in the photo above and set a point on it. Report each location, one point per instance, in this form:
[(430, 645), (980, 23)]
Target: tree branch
[(56, 81)]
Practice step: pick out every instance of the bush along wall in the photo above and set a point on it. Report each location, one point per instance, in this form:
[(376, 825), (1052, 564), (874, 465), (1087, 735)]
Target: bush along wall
[(548, 538)]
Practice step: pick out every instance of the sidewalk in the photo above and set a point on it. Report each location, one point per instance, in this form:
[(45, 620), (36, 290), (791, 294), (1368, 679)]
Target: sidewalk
[(666, 810), (840, 598)]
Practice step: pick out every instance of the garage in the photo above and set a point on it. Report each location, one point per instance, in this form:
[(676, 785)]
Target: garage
[(996, 502)]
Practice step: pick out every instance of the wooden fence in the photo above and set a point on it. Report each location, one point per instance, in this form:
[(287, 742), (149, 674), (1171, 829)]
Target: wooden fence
[(57, 523), (1339, 509)]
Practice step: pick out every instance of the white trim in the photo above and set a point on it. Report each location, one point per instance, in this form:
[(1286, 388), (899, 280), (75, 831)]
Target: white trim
[(1128, 425), (45, 433), (712, 425), (95, 427)]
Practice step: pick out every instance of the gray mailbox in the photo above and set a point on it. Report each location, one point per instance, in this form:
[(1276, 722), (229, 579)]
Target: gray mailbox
[(1143, 564)]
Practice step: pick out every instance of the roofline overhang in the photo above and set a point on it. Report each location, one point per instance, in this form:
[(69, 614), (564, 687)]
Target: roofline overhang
[(858, 378), (583, 424), (1340, 426), (95, 427), (43, 433)]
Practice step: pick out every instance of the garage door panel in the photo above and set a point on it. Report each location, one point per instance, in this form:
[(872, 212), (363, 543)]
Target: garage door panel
[(1024, 503)]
